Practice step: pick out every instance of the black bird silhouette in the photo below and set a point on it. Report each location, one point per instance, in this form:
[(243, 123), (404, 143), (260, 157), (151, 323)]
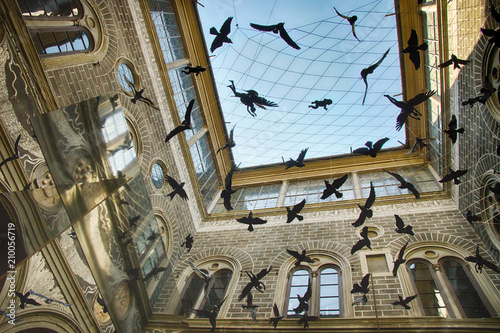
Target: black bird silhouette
[(195, 70), (277, 28), (399, 260), (228, 191), (154, 272), (303, 305), (250, 220), (305, 319), (404, 302), (205, 276), (16, 152), (100, 301), (493, 12), (48, 300), (493, 34), (255, 282), (453, 175), (188, 242), (369, 70), (351, 20), (366, 212), (471, 218), (300, 256), (133, 274), (401, 228), (362, 242), (134, 221), (293, 212), (404, 184), (186, 123), (480, 262), (250, 99), (26, 300), (138, 95), (222, 35), (177, 188), (408, 108), (471, 101), (361, 300), (299, 162), (455, 61), (372, 149), (277, 317), (333, 187), (230, 143), (486, 91), (251, 307), (419, 143), (452, 130), (413, 49), (154, 235), (210, 314), (323, 103), (363, 286), (73, 235)]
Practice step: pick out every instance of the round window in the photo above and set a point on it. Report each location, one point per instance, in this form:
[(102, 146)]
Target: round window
[(157, 175), (126, 75), (490, 206)]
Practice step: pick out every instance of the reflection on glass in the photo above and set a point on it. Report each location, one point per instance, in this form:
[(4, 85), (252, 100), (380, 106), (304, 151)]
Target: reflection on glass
[(191, 294), (167, 30), (329, 303), (74, 39), (429, 294), (49, 8), (124, 74), (218, 288), (298, 286), (157, 176)]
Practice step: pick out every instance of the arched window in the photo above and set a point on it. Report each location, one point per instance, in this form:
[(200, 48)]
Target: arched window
[(326, 290), (193, 295), (445, 286)]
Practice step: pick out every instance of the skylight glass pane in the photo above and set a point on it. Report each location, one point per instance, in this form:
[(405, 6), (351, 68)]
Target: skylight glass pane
[(252, 197), (312, 190), (167, 30)]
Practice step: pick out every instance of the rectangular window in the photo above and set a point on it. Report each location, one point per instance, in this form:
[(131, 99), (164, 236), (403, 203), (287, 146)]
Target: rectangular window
[(253, 197), (167, 29), (312, 190)]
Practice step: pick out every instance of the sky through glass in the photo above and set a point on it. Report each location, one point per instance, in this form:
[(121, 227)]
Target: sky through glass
[(328, 65)]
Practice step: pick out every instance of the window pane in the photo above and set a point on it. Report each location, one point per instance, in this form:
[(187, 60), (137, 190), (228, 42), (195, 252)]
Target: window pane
[(157, 175), (218, 288), (191, 294), (429, 294), (329, 303), (51, 8), (298, 286), (70, 40), (466, 294)]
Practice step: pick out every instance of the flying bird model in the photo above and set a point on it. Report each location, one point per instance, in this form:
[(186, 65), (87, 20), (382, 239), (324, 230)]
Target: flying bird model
[(48, 300), (404, 302), (186, 123), (251, 307), (408, 108), (177, 188), (222, 35), (303, 305), (228, 190), (363, 286), (138, 95), (455, 61), (372, 149), (210, 314), (316, 104), (277, 317), (453, 175), (26, 300), (369, 70), (480, 262), (405, 185), (471, 218), (255, 282), (293, 212), (401, 228), (195, 70), (305, 319), (250, 99), (333, 187), (154, 272), (493, 34), (16, 152), (493, 12), (277, 28), (188, 243), (413, 49), (419, 143), (362, 242), (300, 256), (100, 301), (351, 20), (452, 130), (230, 143), (205, 276), (250, 220), (299, 162), (399, 260), (361, 300), (366, 212)]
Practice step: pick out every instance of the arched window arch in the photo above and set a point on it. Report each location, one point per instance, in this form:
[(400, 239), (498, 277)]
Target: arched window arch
[(445, 285), (193, 294), (61, 28), (328, 292)]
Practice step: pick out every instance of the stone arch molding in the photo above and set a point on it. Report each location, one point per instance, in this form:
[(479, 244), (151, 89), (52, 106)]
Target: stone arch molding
[(42, 318)]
